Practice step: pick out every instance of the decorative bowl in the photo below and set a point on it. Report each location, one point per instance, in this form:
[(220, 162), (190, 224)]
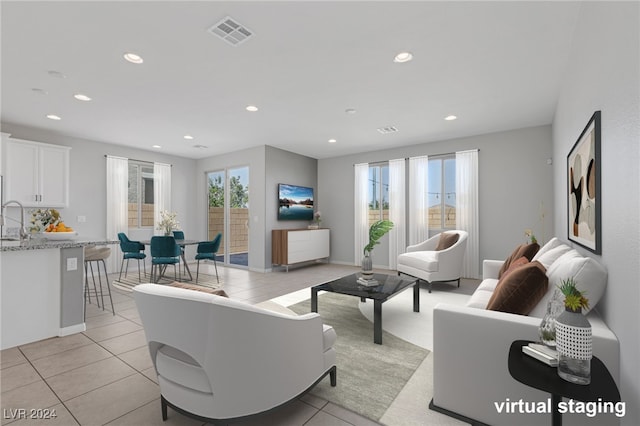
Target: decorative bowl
[(72, 235)]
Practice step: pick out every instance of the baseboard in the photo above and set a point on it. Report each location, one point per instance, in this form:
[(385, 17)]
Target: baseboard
[(72, 329), (456, 416)]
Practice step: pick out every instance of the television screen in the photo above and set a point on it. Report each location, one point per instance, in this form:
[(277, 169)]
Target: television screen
[(295, 202)]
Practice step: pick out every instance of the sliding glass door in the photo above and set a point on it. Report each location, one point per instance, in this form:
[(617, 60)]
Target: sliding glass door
[(228, 194)]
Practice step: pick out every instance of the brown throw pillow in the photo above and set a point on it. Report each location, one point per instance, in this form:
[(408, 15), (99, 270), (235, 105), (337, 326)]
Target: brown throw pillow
[(520, 290), (216, 291), (526, 250), (447, 239)]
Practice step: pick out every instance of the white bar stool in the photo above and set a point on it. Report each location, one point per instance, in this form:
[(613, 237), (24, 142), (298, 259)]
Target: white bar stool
[(97, 254)]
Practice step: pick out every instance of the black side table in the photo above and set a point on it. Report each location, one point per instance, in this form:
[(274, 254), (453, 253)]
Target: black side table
[(538, 375)]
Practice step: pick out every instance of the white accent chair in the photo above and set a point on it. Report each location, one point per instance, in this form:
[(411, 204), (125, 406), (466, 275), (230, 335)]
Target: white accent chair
[(219, 359), (424, 262)]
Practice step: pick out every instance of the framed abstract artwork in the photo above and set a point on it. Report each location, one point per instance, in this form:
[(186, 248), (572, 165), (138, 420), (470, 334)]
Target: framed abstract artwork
[(584, 220)]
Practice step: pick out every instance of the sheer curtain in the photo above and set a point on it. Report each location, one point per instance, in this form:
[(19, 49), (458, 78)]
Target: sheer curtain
[(161, 192), (467, 208), (418, 200), (397, 211), (360, 211), (117, 200)]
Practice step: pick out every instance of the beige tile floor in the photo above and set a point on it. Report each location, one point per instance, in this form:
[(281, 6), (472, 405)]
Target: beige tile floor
[(104, 376)]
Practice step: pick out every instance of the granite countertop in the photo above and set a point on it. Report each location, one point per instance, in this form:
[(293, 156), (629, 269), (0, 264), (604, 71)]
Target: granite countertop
[(42, 243)]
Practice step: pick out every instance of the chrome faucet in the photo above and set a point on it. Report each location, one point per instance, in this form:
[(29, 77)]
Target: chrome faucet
[(23, 232)]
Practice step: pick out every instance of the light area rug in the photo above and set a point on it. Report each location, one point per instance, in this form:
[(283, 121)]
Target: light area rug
[(370, 376), (131, 280), (410, 406)]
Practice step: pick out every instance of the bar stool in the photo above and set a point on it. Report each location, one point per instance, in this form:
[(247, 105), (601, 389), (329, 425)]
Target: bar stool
[(97, 254)]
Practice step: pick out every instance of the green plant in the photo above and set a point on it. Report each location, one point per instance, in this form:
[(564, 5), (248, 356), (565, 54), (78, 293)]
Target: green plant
[(574, 299), (376, 231)]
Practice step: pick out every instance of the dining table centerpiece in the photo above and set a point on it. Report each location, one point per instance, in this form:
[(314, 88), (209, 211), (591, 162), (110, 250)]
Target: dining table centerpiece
[(168, 222)]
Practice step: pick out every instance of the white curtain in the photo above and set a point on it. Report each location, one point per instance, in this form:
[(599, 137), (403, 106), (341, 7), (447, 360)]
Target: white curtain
[(161, 192), (117, 208), (467, 208), (397, 211), (418, 200), (360, 211)]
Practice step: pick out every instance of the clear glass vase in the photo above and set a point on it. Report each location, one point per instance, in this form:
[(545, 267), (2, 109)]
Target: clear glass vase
[(547, 329), (367, 265)]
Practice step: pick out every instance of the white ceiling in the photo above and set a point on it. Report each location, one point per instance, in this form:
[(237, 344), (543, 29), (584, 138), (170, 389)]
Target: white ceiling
[(495, 65)]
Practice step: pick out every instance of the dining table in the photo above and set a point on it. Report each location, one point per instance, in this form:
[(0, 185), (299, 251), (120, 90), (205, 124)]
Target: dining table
[(182, 243)]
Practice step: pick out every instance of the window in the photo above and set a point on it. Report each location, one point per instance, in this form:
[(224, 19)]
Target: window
[(378, 192), (140, 194), (442, 192)]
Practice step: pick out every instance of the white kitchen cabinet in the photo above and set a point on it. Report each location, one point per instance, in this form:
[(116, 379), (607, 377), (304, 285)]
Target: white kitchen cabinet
[(289, 246), (35, 174)]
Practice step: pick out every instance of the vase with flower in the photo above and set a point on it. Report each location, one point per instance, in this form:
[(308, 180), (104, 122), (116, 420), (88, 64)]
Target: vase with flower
[(573, 336), (317, 218), (168, 222)]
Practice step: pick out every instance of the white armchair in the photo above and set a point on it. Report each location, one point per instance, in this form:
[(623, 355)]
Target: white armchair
[(423, 261), (218, 359)]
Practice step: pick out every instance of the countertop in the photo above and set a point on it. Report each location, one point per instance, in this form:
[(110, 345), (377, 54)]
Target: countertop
[(42, 243)]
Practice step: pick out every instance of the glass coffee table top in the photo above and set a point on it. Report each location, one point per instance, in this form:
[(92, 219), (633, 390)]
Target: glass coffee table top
[(389, 286)]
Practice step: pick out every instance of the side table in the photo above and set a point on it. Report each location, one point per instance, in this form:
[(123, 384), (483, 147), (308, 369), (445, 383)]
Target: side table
[(538, 375)]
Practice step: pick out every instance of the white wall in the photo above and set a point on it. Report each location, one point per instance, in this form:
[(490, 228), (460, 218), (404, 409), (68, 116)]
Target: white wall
[(514, 176), (603, 74)]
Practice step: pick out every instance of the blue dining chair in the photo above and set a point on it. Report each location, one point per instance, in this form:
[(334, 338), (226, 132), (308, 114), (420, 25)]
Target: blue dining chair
[(179, 235), (207, 250), (131, 250), (164, 252)]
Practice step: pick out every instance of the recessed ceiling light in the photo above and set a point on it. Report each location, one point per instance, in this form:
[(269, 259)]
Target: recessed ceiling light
[(133, 58), (251, 108), (39, 91), (403, 57), (450, 117), (188, 137), (350, 110), (332, 141), (200, 146), (156, 146), (56, 74), (53, 117), (82, 97)]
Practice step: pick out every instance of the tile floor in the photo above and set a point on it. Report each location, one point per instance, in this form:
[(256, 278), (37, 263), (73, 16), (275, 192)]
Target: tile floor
[(104, 376)]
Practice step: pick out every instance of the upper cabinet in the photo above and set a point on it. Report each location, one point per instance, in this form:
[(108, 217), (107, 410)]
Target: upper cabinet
[(35, 174)]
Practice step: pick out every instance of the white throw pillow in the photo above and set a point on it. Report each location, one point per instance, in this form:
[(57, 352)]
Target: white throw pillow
[(552, 243), (590, 276), (550, 256)]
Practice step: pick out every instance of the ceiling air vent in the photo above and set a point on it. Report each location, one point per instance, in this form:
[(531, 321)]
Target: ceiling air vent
[(231, 31), (387, 129)]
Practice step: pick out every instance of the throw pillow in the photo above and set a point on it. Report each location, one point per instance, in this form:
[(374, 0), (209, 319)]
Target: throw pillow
[(216, 291), (447, 239), (526, 250), (520, 290)]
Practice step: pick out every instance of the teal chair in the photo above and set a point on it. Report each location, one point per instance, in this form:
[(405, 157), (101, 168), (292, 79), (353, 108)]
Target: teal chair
[(131, 250), (164, 252), (179, 235), (207, 250)]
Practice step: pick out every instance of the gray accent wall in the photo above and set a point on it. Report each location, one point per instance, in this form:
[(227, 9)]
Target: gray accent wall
[(608, 33), (515, 183)]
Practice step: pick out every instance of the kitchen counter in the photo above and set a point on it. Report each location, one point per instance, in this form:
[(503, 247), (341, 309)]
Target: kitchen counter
[(43, 244), (42, 289)]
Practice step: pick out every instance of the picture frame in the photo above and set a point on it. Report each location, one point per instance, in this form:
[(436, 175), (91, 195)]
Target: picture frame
[(584, 191)]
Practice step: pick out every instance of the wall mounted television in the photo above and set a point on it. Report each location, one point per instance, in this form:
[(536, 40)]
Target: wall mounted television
[(295, 202)]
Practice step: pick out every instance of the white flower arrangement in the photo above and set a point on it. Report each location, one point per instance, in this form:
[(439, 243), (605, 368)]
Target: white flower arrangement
[(168, 222), (317, 217)]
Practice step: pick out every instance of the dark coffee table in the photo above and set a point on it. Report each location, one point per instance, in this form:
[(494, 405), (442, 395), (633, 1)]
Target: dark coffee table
[(390, 285)]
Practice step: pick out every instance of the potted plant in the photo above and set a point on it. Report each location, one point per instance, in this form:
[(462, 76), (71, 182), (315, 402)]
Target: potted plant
[(573, 336), (376, 231)]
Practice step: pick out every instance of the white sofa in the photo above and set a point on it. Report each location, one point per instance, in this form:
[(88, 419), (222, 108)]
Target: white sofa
[(471, 345), (219, 359)]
